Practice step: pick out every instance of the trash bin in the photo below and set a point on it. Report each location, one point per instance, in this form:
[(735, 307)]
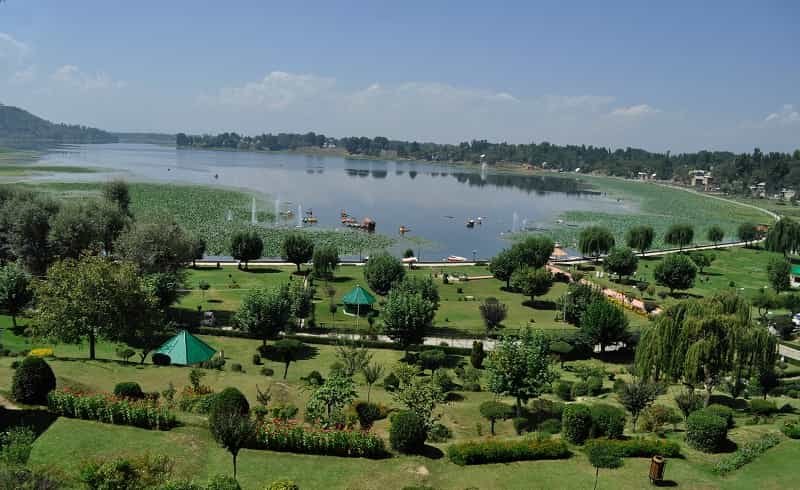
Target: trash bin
[(657, 464)]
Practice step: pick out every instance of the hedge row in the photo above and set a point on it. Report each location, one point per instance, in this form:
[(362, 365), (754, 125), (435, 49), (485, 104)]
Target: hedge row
[(640, 447), (746, 454), (111, 410), (296, 439), (492, 451)]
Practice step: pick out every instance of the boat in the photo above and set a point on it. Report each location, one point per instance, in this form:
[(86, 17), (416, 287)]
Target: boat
[(470, 223), (410, 260), (309, 219), (456, 258), (404, 229)]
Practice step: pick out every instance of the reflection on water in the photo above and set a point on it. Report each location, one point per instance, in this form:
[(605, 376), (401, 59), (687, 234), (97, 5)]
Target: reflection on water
[(434, 200)]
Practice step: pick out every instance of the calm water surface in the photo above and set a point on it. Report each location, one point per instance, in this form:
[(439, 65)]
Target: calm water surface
[(433, 200)]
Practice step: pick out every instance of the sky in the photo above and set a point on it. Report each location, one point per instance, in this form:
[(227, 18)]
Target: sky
[(679, 76)]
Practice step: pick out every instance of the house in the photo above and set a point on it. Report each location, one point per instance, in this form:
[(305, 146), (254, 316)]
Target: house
[(645, 176), (701, 179), (759, 190), (786, 194)]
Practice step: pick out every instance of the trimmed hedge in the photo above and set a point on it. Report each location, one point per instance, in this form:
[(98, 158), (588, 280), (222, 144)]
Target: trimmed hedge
[(746, 454), (492, 451), (721, 411), (607, 421), (110, 410), (407, 432), (576, 423), (640, 447), (763, 407), (705, 431), (296, 439), (128, 389), (33, 379)]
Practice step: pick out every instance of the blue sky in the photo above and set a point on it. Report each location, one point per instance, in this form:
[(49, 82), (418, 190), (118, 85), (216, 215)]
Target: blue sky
[(673, 75)]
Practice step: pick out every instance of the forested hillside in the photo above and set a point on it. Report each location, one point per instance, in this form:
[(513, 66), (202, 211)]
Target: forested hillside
[(19, 127)]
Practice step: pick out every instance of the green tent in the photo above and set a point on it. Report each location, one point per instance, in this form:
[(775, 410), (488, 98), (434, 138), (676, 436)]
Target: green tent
[(358, 296), (184, 349)]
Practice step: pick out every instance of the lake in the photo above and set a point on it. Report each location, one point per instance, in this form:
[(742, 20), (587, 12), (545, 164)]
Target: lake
[(434, 200)]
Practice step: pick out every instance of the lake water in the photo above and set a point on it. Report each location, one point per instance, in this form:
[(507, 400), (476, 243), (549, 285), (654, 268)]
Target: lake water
[(433, 200)]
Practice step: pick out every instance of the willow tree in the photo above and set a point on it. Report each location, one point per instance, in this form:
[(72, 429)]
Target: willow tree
[(699, 342), (783, 237)]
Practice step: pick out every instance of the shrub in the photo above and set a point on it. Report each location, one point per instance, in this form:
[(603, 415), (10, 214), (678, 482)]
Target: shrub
[(223, 482), (110, 410), (655, 417), (477, 355), (256, 360), (292, 438), (407, 432), (284, 412), (391, 382), (594, 385), (688, 402), (216, 362), (368, 413), (521, 425), (439, 433), (128, 389), (230, 400), (130, 473), (16, 446), (726, 413), (563, 390), (763, 407), (476, 387), (705, 431), (432, 359), (265, 371), (607, 421), (193, 403), (160, 359), (494, 451), (550, 426), (639, 447), (581, 388), (282, 485), (32, 381), (746, 454), (576, 423), (541, 409), (791, 428), (236, 367)]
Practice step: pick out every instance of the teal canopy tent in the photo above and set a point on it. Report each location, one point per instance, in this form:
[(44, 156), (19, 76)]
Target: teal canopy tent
[(358, 297), (185, 349)]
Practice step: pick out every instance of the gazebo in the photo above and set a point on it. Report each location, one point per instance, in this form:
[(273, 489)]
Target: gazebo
[(184, 349), (358, 298)]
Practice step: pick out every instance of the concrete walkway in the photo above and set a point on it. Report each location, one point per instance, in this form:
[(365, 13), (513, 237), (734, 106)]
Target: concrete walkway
[(786, 351)]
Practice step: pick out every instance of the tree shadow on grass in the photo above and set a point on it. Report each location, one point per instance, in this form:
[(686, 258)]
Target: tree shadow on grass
[(262, 270), (38, 420), (540, 305), (338, 279), (665, 483), (431, 452), (307, 352)]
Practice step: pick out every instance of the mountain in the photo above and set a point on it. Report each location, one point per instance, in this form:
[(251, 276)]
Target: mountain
[(20, 127)]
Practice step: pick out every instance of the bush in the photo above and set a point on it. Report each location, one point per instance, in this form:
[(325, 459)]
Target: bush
[(216, 362), (494, 451), (576, 423), (407, 432), (32, 381), (521, 425), (432, 359), (223, 482), (726, 413), (230, 400), (581, 388), (346, 443), (763, 407), (541, 409), (129, 473), (607, 421), (256, 360), (282, 485), (746, 454), (367, 413), (791, 429), (594, 385), (193, 403), (265, 371), (655, 417), (439, 433), (128, 389), (16, 446), (391, 382), (476, 387), (109, 410), (236, 367), (563, 390), (705, 431), (639, 447), (160, 359), (550, 426)]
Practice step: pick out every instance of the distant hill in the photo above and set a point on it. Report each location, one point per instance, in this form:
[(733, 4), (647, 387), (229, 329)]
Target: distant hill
[(20, 127), (146, 138)]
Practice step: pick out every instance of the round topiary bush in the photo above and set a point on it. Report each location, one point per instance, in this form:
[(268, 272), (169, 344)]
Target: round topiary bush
[(407, 432), (722, 411), (230, 400), (129, 389), (160, 359), (367, 413), (223, 482), (550, 426), (607, 421), (563, 390), (763, 407), (576, 423), (33, 380), (705, 431)]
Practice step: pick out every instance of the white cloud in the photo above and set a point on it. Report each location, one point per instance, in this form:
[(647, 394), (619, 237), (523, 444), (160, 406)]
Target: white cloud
[(72, 76), (275, 92), (11, 49), (634, 111), (787, 115)]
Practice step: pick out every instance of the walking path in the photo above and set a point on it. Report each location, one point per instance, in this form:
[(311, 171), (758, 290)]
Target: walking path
[(786, 351), (7, 404)]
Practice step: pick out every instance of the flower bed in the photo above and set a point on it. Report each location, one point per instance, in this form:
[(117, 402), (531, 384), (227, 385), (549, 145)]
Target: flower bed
[(746, 454), (41, 352), (491, 451), (110, 410), (287, 437)]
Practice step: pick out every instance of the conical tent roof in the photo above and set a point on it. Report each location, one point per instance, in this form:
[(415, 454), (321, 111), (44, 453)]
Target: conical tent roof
[(184, 349), (358, 296)]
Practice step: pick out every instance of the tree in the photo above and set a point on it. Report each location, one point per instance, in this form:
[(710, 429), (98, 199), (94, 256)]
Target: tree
[(15, 291), (578, 298), (203, 286), (29, 231), (493, 313), (198, 249), (246, 246), (602, 454), (640, 238), (783, 237), (594, 241), (406, 317), (111, 222), (297, 248), (423, 285), (604, 323), (477, 354), (493, 411), (331, 397), (503, 266), (532, 282), (702, 259), (562, 350), (166, 287), (747, 232), (265, 312), (325, 261), (382, 272), (715, 234), (158, 246), (301, 298), (118, 193), (232, 430), (408, 253), (680, 234), (74, 231), (621, 261), (520, 367), (353, 357), (637, 396), (533, 252), (764, 300), (420, 396), (288, 351), (91, 298), (372, 373), (676, 271), (779, 272)]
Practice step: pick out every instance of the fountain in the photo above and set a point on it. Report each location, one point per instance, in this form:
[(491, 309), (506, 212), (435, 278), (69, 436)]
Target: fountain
[(230, 215), (277, 210), (253, 212), (514, 222), (299, 216), (524, 224), (484, 168)]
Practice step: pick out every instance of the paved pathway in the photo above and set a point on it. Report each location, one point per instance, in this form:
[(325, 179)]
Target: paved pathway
[(789, 352)]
